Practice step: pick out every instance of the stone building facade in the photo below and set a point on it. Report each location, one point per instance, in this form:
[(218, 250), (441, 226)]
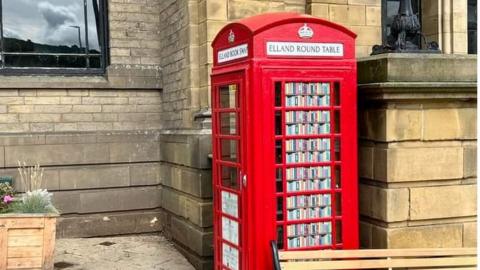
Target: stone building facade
[(128, 151)]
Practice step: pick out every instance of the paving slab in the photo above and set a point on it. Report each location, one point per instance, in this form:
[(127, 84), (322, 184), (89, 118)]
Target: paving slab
[(142, 252)]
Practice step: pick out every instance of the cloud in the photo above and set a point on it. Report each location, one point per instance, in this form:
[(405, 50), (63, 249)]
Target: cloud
[(56, 16)]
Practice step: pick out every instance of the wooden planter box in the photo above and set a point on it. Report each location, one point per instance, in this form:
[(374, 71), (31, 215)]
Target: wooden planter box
[(27, 241)]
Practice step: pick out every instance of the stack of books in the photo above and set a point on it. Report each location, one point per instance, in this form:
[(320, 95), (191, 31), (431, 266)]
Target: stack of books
[(308, 129), (310, 241), (310, 117), (304, 173), (309, 229), (307, 145), (300, 88), (307, 157)]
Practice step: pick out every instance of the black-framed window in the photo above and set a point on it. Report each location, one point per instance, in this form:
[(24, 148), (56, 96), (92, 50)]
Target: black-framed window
[(52, 36), (472, 26), (390, 9)]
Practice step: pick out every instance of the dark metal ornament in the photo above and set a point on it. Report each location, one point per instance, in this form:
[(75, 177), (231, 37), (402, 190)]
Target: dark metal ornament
[(405, 29)]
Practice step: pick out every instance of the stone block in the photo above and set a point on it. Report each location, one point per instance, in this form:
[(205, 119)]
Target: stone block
[(15, 127), (365, 2), (469, 162), (8, 118), (443, 202), (347, 15), (77, 117), (387, 205), (367, 35), (20, 108), (415, 67), (194, 210), (125, 199), (373, 15), (57, 154), (192, 181), (444, 124), (403, 125), (70, 138), (190, 150), (320, 10), (199, 241), (87, 108), (470, 234), (216, 10), (108, 224), (329, 1), (134, 152), (22, 139), (365, 235), (433, 236), (42, 127), (42, 100), (365, 162), (145, 174), (63, 127), (90, 177), (238, 9), (372, 124), (418, 164), (40, 118), (67, 202)]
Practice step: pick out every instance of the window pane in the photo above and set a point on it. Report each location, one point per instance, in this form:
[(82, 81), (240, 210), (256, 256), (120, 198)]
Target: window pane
[(228, 96), (228, 123), (229, 176), (229, 150), (472, 26), (51, 30)]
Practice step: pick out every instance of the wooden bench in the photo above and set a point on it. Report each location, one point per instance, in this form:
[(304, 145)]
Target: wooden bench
[(428, 258)]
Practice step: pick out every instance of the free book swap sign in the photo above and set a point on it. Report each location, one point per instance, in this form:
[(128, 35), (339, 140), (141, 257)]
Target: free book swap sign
[(275, 48), (233, 53)]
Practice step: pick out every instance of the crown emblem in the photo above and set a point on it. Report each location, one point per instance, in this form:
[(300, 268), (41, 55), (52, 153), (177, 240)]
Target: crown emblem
[(231, 37), (305, 32)]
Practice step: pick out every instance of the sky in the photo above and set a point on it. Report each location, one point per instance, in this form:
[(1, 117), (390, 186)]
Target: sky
[(48, 21)]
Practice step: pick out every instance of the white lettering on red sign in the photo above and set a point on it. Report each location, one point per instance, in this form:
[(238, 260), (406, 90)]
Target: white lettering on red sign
[(304, 49), (233, 53)]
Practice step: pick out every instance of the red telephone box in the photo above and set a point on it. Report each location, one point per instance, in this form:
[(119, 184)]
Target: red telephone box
[(284, 138)]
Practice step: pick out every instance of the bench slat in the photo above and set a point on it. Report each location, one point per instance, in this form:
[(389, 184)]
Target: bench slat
[(375, 253), (385, 263)]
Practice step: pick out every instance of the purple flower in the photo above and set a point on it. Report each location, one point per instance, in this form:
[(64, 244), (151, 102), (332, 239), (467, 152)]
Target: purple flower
[(7, 199)]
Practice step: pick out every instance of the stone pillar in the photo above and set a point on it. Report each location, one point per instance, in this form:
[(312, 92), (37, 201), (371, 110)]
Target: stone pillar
[(417, 150), (445, 21)]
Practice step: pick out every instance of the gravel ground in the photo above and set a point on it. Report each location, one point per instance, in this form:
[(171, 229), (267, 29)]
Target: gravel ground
[(142, 252)]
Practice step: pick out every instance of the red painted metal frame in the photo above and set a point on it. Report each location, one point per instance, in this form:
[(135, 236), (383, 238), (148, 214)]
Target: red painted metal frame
[(255, 77)]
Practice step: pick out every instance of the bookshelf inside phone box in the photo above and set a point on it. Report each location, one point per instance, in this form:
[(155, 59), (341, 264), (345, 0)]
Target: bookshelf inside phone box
[(284, 139)]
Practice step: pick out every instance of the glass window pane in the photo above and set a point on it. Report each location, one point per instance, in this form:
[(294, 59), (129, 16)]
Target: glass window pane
[(228, 123), (51, 30), (472, 26), (228, 96), (229, 176), (229, 150)]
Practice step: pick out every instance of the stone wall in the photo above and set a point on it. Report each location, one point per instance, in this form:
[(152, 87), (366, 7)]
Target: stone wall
[(364, 17), (418, 151), (96, 136)]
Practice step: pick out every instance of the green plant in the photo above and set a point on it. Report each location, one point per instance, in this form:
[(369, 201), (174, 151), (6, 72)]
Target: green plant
[(37, 201)]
